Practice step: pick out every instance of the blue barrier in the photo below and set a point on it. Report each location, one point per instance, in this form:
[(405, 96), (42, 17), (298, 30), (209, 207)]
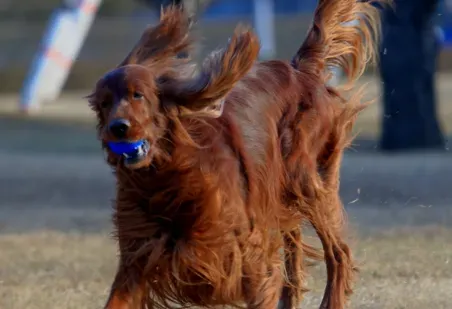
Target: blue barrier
[(447, 36), (234, 8)]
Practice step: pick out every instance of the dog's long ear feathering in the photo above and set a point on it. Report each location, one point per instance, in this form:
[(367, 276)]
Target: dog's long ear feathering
[(204, 93), (344, 33), (160, 44)]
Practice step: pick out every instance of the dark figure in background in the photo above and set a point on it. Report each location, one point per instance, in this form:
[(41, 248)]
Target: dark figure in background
[(408, 56)]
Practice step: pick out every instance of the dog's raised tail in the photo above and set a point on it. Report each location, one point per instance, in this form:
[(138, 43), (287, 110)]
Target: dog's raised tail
[(344, 33)]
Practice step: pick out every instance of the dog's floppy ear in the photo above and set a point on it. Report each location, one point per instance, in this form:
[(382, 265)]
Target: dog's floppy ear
[(204, 94), (164, 41)]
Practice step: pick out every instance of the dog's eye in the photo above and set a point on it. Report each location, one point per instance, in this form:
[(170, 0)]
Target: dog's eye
[(137, 95)]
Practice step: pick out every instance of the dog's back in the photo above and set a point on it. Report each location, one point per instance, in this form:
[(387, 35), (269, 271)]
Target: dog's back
[(276, 94)]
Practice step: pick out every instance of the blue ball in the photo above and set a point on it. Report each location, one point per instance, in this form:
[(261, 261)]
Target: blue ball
[(125, 147)]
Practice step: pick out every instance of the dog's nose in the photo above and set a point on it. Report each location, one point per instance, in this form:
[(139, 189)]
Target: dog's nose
[(119, 128)]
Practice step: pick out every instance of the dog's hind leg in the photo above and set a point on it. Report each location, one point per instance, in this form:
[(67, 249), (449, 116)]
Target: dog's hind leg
[(292, 291), (295, 251), (339, 265)]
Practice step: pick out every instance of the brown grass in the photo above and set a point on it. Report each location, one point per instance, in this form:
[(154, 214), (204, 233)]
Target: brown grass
[(45, 270)]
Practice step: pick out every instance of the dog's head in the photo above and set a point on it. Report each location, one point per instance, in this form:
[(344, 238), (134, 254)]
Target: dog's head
[(138, 103)]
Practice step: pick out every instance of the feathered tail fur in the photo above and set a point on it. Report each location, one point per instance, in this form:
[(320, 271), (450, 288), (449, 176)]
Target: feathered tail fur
[(344, 33)]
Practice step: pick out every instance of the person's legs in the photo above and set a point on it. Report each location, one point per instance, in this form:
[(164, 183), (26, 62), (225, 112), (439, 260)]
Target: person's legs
[(431, 52), (407, 70)]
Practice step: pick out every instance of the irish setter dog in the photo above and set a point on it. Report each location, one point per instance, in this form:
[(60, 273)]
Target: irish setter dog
[(217, 168)]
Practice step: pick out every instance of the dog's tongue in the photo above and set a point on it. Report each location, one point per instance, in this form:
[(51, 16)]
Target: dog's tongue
[(122, 148)]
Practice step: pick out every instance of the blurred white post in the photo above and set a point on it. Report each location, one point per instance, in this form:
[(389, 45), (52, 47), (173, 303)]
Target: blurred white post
[(64, 37), (264, 23)]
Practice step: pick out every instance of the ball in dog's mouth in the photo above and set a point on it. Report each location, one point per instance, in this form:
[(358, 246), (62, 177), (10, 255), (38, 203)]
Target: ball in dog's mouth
[(132, 152)]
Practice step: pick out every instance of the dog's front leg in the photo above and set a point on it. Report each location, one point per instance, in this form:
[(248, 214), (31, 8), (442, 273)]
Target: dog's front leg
[(263, 292), (125, 292), (118, 300), (262, 284)]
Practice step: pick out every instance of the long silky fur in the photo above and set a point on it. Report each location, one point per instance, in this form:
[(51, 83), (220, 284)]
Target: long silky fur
[(215, 219)]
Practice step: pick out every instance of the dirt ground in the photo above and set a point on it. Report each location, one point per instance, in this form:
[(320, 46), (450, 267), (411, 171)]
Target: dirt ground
[(401, 268)]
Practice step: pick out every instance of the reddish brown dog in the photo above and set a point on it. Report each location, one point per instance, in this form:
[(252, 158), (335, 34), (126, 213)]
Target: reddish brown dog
[(229, 162)]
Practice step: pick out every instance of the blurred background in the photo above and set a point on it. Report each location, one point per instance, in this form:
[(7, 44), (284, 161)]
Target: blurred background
[(119, 23), (55, 189)]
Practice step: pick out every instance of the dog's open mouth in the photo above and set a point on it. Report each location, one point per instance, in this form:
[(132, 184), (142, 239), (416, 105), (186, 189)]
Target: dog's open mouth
[(133, 152)]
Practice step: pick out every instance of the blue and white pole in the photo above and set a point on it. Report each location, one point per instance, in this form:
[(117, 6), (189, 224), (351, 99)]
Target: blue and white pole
[(264, 23), (64, 37)]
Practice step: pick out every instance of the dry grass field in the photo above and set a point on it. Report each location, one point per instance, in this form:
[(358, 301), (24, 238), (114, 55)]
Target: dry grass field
[(45, 169), (402, 268)]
